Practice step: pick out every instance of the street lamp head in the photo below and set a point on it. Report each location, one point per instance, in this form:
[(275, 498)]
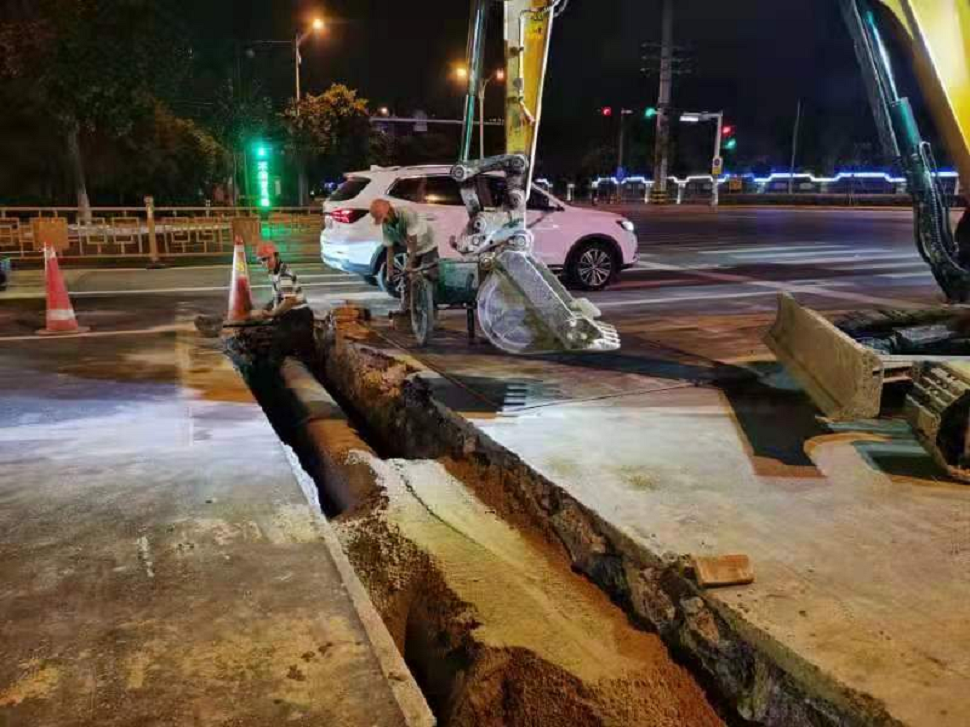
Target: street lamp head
[(461, 73), (500, 75), (384, 111), (318, 24)]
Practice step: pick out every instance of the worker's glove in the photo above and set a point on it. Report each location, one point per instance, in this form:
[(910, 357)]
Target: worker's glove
[(260, 315)]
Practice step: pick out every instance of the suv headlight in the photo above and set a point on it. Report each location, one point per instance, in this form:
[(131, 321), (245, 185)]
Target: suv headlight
[(626, 225)]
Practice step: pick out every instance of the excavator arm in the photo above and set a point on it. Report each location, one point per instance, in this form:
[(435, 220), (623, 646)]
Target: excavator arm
[(524, 308), (937, 33)]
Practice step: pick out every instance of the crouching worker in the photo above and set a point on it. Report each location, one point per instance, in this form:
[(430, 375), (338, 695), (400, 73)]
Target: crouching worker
[(288, 309)]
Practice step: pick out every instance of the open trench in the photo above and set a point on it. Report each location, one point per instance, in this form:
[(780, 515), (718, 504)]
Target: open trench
[(494, 624), (510, 602)]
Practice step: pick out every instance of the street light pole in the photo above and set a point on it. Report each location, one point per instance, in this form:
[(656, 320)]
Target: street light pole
[(481, 118), (315, 27), (461, 73), (297, 61), (717, 164), (794, 148)]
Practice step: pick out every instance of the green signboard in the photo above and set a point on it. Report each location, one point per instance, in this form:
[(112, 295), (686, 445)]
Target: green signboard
[(265, 185)]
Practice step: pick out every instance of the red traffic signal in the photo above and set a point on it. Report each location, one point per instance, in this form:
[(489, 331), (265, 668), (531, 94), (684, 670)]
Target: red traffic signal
[(727, 130), (606, 111)]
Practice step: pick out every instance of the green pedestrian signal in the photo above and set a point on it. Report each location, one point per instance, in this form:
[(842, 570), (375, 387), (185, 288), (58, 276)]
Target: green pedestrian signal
[(650, 113)]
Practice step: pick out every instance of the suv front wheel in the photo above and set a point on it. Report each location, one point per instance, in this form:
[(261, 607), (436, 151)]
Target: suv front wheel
[(394, 287), (592, 265)]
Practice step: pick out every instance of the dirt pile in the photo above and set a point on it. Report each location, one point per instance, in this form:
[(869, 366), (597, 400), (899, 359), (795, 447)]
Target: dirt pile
[(494, 625)]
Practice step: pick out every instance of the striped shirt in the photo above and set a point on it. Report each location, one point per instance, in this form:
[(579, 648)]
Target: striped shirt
[(285, 285)]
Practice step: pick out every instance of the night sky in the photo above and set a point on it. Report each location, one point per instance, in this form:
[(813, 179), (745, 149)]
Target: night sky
[(753, 58)]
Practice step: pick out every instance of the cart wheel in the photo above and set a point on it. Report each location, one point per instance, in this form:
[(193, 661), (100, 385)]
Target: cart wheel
[(422, 309)]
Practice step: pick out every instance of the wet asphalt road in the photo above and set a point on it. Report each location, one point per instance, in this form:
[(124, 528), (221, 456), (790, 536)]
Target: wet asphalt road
[(693, 261)]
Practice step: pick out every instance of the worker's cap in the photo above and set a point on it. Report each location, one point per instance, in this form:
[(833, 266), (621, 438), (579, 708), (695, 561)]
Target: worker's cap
[(265, 250)]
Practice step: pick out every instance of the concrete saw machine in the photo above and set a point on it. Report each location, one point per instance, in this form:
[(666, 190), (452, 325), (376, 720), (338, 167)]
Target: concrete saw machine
[(522, 307)]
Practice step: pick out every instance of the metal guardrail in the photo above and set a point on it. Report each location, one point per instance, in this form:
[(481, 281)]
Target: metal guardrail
[(844, 188), (124, 232)]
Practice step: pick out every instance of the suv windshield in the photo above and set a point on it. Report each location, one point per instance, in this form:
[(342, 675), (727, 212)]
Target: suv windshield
[(349, 189)]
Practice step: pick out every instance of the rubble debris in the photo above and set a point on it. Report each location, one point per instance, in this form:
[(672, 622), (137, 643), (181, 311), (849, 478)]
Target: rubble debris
[(722, 570)]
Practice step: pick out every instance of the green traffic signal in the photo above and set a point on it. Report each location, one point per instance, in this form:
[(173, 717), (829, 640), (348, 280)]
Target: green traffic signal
[(731, 144), (650, 113)]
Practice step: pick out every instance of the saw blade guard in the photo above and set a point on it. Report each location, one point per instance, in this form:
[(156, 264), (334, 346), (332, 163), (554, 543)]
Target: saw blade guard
[(524, 309)]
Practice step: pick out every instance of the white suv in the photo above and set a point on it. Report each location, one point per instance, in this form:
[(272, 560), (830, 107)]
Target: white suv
[(589, 246)]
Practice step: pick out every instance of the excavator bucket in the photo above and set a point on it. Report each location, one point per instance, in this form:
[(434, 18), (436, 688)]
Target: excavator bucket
[(844, 378), (523, 308)]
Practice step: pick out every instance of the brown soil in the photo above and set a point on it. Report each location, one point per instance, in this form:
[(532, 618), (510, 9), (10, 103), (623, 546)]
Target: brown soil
[(496, 627)]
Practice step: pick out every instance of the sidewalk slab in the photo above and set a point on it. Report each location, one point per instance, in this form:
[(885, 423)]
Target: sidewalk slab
[(159, 562), (860, 548)]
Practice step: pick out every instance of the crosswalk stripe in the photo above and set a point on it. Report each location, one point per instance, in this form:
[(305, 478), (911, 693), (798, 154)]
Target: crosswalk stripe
[(920, 274), (847, 251), (681, 299), (881, 266), (780, 248), (853, 259)]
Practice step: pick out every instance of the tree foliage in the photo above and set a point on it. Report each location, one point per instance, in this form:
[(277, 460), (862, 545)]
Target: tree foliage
[(330, 131), (99, 63), (171, 158)]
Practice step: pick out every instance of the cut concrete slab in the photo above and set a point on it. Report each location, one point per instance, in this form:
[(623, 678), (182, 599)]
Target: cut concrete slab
[(159, 563), (861, 549)]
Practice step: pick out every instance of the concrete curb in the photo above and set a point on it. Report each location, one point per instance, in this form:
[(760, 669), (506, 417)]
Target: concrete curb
[(405, 690), (765, 681)]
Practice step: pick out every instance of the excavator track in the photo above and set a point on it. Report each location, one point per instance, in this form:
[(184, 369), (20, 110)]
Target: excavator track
[(938, 411)]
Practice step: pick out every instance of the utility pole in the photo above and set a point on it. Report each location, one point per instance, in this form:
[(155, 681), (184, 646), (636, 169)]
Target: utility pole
[(794, 148), (717, 165), (620, 142), (297, 62), (658, 192)]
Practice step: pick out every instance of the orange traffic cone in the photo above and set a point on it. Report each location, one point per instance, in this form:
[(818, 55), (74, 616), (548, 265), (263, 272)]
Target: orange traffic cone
[(60, 312), (240, 294)]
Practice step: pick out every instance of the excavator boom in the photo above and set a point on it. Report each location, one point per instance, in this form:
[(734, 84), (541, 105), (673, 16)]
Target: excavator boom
[(522, 306)]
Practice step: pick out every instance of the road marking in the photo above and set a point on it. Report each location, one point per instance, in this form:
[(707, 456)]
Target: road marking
[(852, 259), (920, 274), (173, 328), (648, 266), (785, 287), (204, 289), (779, 248), (882, 266), (328, 276), (817, 252), (654, 301)]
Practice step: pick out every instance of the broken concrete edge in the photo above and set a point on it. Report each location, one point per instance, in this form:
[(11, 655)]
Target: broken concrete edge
[(843, 377), (399, 679), (764, 681)]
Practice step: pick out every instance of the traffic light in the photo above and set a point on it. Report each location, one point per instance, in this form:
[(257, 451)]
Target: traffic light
[(606, 111), (730, 143), (650, 113)]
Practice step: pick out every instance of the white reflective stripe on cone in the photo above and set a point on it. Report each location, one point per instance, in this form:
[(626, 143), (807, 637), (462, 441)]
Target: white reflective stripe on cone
[(60, 315)]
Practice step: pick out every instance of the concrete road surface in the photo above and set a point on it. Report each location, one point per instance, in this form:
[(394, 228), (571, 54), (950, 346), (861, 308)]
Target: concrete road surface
[(726, 426)]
